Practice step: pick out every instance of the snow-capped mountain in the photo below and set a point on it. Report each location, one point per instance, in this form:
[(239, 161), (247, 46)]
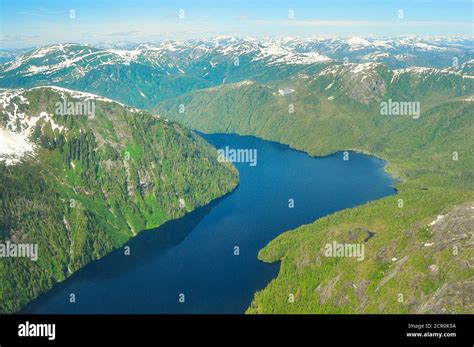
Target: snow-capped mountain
[(10, 54), (373, 81), (17, 125), (170, 56), (144, 74), (396, 52)]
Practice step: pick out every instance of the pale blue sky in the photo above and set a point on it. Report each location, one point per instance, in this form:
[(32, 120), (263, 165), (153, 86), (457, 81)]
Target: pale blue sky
[(26, 23)]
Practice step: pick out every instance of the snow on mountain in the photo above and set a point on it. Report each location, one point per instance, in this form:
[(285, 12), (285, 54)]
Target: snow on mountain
[(69, 93), (362, 70), (55, 58), (174, 56), (144, 74), (375, 56), (356, 47), (383, 44), (418, 43), (358, 43), (17, 126), (126, 56), (7, 55), (423, 72), (13, 146), (277, 54), (272, 52), (15, 133)]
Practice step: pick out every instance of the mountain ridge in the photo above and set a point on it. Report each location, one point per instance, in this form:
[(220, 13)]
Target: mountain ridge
[(338, 108), (92, 183), (144, 74), (320, 107)]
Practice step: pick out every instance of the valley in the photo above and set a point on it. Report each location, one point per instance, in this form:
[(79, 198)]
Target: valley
[(422, 153), (84, 185), (208, 258), (319, 96)]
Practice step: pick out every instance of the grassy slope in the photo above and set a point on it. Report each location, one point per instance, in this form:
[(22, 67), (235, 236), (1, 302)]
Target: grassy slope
[(419, 153)]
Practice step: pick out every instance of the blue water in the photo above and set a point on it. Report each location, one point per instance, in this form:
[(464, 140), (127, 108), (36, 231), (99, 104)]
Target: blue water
[(195, 254)]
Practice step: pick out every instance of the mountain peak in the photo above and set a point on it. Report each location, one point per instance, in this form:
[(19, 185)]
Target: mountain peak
[(359, 42)]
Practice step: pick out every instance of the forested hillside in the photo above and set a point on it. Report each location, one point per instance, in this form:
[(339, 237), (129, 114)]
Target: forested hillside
[(416, 261), (87, 183)]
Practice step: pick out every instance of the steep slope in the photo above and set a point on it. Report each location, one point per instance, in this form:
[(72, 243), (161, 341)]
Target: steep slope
[(419, 259), (326, 108), (81, 180), (409, 264)]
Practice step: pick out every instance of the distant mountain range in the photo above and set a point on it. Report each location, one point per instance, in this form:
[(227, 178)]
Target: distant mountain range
[(316, 95), (414, 265), (142, 75), (11, 54)]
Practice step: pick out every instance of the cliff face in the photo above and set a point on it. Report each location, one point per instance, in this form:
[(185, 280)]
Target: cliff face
[(454, 232)]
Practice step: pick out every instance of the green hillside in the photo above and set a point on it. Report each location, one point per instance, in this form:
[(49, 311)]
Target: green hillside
[(92, 183), (409, 266)]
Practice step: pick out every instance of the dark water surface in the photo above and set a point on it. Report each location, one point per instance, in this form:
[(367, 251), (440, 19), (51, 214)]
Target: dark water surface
[(195, 254)]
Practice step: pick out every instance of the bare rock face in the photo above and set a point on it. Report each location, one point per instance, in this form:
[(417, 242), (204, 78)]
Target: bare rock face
[(327, 290), (454, 231), (364, 86), (146, 182), (361, 82), (454, 228), (450, 298)]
